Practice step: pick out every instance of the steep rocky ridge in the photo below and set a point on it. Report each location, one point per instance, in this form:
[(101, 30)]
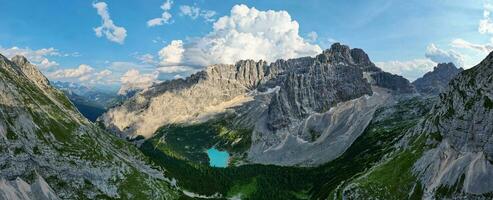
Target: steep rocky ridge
[(47, 146), (436, 81), (449, 154), (463, 121), (296, 102)]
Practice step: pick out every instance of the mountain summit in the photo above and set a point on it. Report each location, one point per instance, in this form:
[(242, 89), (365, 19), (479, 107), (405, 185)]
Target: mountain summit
[(288, 105), (437, 80)]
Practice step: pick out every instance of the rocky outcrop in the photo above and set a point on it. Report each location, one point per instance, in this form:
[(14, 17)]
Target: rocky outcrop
[(312, 89), (436, 81), (317, 138), (275, 100), (19, 189), (43, 135), (461, 124), (307, 85), (448, 154), (31, 71), (196, 98), (394, 82)]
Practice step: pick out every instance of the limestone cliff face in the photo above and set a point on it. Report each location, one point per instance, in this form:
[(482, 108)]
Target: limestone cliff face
[(394, 82), (306, 85), (48, 150), (436, 81), (275, 100), (313, 88), (196, 98), (462, 122)]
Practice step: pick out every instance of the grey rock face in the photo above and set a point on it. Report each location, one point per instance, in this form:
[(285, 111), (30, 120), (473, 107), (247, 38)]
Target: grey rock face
[(463, 118), (19, 189), (436, 81), (378, 77), (273, 99), (318, 137), (307, 85), (30, 71), (197, 98), (313, 89), (394, 82)]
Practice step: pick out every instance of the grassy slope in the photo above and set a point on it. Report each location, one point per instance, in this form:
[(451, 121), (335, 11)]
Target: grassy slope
[(56, 129), (274, 182), (392, 179)]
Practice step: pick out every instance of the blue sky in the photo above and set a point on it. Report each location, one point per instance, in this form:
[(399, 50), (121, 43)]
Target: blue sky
[(403, 37)]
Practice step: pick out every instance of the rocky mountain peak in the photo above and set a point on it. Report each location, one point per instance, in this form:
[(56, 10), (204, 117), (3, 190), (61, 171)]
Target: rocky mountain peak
[(434, 82), (445, 66), (337, 53), (20, 60), (359, 56), (338, 47), (31, 71), (340, 52)]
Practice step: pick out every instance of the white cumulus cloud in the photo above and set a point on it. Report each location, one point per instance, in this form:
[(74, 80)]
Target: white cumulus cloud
[(175, 69), (485, 27), (461, 43), (486, 24), (165, 16), (78, 72), (45, 63), (442, 56), (312, 36), (133, 80), (415, 68), (38, 57), (172, 54), (112, 32), (83, 74), (146, 58), (247, 33), (195, 12), (178, 76), (103, 74)]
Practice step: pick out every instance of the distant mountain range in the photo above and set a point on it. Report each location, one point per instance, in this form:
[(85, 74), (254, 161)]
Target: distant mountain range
[(91, 102), (436, 81)]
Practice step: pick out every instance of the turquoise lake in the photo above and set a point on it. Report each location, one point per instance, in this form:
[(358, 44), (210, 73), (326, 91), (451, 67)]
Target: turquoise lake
[(217, 158)]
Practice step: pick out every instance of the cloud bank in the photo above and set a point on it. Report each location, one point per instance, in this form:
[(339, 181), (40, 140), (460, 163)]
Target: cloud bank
[(413, 69), (442, 56), (485, 27), (246, 33), (37, 57), (410, 69), (134, 80)]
